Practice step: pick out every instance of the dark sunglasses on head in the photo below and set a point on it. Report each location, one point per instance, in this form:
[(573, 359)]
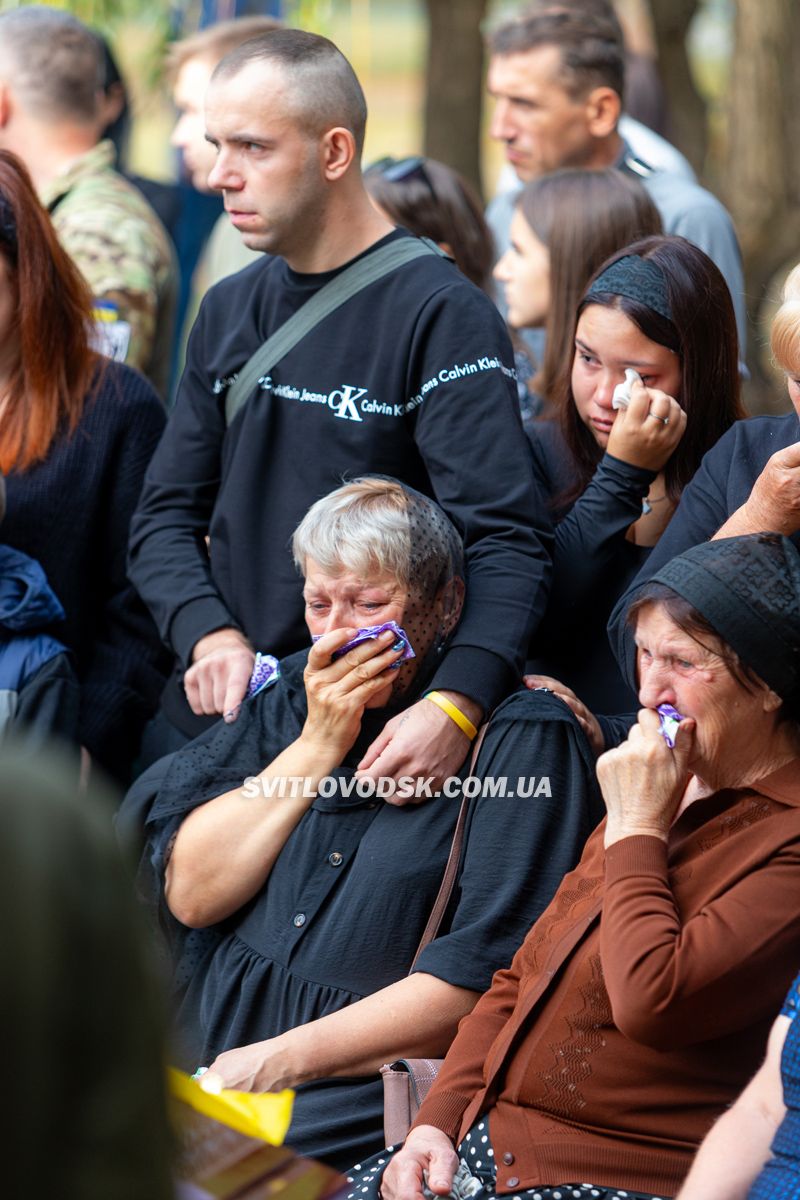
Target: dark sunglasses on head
[(397, 170)]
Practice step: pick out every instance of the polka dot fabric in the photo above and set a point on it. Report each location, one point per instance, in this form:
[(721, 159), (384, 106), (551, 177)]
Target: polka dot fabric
[(436, 560), (475, 1178)]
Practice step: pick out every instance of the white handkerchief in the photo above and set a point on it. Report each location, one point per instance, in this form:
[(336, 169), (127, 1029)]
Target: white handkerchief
[(622, 392)]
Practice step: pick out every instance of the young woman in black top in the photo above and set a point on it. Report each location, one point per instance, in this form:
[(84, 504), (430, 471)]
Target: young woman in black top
[(615, 474)]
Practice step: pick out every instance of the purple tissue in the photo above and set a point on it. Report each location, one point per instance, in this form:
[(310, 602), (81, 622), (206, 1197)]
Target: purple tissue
[(265, 671), (373, 631), (670, 720)]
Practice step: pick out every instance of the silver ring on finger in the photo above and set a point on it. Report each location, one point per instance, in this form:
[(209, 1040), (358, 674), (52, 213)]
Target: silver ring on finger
[(663, 420)]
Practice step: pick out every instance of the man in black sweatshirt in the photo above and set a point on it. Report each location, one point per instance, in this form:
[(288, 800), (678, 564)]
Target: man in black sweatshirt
[(412, 377)]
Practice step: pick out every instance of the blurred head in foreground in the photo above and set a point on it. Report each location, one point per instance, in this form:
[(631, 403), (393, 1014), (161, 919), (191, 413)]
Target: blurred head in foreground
[(84, 1106)]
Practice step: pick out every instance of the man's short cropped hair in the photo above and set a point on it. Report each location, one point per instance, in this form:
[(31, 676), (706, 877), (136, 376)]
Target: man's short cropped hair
[(53, 62), (215, 41), (325, 90), (604, 9), (592, 54)]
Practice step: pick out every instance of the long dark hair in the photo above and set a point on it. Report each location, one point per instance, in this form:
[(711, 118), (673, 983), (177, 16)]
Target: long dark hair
[(437, 202), (702, 333), (581, 217)]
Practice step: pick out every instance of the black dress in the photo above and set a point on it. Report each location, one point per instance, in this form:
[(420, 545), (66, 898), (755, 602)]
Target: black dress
[(343, 909)]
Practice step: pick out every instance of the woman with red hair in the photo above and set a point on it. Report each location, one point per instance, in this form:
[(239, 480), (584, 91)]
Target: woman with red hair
[(76, 434)]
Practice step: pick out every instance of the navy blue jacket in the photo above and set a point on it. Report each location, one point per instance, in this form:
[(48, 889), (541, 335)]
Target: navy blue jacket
[(38, 690)]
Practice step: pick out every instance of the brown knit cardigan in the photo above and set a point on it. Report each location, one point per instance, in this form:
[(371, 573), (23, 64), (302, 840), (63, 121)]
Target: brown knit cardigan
[(640, 1002)]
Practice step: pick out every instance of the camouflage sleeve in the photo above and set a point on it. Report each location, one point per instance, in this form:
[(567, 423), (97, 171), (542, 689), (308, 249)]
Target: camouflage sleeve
[(126, 258), (122, 269)]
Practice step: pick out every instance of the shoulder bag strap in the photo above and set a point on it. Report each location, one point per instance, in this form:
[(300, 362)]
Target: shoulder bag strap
[(331, 296), (451, 868)]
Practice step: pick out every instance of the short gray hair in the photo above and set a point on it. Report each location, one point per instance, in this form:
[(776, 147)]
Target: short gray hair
[(377, 525), (53, 61)]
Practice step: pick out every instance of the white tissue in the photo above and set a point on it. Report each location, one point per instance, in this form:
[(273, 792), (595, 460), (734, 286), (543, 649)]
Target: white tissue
[(622, 392)]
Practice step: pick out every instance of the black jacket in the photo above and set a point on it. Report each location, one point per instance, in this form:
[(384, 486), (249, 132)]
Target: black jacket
[(593, 564)]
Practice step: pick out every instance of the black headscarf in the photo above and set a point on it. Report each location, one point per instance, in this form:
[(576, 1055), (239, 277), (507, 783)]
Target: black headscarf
[(748, 589)]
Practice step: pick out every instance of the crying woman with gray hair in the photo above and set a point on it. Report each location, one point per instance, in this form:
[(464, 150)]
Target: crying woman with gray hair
[(294, 895)]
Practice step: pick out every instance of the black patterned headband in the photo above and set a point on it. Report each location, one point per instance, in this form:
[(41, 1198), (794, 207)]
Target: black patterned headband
[(638, 279), (8, 226)]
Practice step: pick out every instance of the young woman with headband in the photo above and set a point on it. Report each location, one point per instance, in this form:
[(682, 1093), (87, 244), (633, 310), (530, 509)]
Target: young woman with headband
[(615, 469)]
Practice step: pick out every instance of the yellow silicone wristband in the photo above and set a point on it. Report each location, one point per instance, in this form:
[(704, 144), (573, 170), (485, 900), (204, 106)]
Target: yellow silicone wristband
[(455, 714)]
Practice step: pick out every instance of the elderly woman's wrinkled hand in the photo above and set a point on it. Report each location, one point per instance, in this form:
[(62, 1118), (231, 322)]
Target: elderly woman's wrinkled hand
[(643, 780), (647, 432), (338, 690), (427, 1157), (586, 719), (774, 503)]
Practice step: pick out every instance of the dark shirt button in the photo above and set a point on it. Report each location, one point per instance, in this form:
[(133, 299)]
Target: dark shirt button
[(508, 1158), (299, 919), (512, 1181), (336, 859)]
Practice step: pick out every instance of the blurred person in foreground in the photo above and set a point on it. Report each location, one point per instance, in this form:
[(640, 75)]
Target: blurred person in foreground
[(84, 1108)]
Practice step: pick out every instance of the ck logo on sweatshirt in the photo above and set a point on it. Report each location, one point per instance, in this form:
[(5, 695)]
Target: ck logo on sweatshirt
[(343, 402)]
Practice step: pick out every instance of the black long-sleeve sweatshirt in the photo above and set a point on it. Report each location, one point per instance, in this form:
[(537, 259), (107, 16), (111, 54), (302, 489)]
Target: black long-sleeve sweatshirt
[(593, 563), (413, 378)]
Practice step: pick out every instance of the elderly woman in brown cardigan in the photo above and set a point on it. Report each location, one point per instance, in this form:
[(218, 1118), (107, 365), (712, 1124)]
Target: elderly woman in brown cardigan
[(640, 1002)]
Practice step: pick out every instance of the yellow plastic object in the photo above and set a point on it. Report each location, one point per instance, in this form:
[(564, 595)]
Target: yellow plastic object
[(264, 1115)]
